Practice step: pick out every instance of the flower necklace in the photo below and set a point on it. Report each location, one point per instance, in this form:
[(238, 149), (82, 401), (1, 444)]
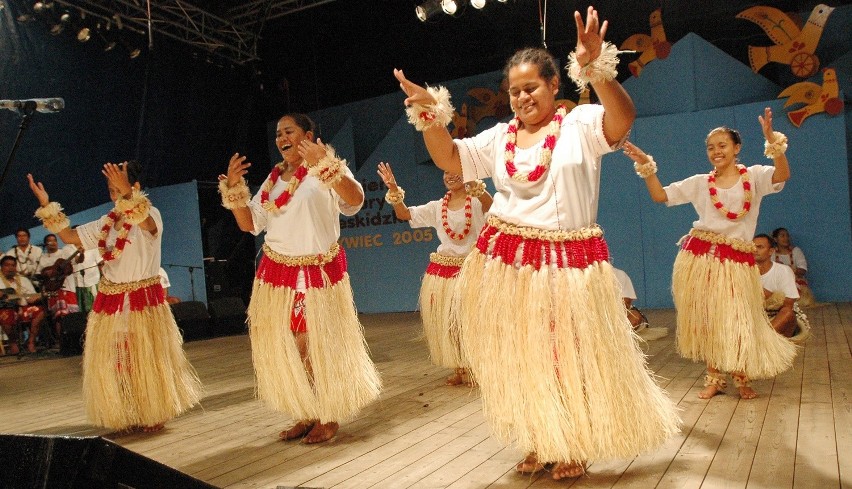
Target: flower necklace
[(468, 218), (714, 197), (546, 152), (120, 241), (285, 196)]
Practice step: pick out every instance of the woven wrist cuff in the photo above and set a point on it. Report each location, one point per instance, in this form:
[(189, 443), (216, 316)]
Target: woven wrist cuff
[(602, 68), (394, 198), (329, 170), (235, 197), (52, 217), (776, 149), (647, 169), (439, 114), (136, 208)]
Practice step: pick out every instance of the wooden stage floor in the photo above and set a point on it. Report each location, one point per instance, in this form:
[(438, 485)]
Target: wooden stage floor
[(422, 434)]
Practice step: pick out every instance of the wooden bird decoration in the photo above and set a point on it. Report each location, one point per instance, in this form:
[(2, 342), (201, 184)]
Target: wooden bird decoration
[(652, 47), (493, 104), (585, 98), (793, 46), (817, 99), (462, 126)]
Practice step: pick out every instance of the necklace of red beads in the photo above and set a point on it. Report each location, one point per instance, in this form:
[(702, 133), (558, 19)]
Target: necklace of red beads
[(546, 152), (714, 195), (468, 217), (282, 200)]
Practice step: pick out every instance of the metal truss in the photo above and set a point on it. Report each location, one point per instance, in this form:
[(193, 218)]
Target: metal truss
[(254, 13), (178, 20)]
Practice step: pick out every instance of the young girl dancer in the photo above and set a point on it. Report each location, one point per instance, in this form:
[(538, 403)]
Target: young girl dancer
[(457, 218), (716, 284), (308, 348), (135, 372)]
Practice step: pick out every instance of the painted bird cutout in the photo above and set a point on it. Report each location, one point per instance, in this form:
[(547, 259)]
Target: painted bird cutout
[(585, 98), (652, 47), (817, 99), (493, 104), (793, 46)]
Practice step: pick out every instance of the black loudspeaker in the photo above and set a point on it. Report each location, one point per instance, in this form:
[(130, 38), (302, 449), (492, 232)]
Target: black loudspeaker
[(192, 319), (83, 462), (71, 334), (229, 316)]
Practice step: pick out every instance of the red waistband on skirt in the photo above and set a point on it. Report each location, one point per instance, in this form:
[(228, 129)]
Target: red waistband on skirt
[(444, 265), (722, 251), (283, 271), (142, 294), (538, 247)]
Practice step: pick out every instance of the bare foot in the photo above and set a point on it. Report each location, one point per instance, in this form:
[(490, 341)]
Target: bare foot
[(455, 379), (709, 391), (567, 470), (31, 347), (321, 432), (154, 428), (746, 392), (298, 430), (530, 464)]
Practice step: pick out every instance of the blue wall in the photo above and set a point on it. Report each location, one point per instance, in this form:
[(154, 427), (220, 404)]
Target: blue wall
[(697, 88), (178, 205)]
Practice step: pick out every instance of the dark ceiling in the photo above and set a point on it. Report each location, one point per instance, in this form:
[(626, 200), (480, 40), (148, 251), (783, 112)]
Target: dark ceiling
[(345, 50)]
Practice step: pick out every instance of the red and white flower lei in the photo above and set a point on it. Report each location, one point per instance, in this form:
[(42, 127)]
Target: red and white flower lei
[(120, 241), (714, 197), (546, 152), (285, 196), (468, 217)]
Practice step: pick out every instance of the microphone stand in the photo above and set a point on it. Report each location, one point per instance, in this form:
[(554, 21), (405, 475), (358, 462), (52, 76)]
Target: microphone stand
[(191, 269), (28, 110)]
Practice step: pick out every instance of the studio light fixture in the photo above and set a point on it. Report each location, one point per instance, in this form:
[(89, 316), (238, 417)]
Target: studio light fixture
[(427, 10), (449, 6), (477, 4)]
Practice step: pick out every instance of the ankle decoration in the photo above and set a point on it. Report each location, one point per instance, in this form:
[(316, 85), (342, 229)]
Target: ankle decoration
[(52, 217), (741, 380), (715, 379), (439, 114)]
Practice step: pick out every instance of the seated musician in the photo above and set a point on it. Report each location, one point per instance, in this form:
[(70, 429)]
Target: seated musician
[(17, 289), (780, 293), (54, 272)]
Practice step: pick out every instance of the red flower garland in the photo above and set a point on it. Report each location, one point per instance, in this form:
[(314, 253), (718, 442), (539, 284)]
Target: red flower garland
[(285, 196), (714, 197), (120, 241), (546, 153), (468, 217)]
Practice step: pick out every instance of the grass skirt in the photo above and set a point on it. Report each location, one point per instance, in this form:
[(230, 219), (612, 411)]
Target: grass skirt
[(720, 315), (344, 378), (135, 372), (436, 301), (546, 335)]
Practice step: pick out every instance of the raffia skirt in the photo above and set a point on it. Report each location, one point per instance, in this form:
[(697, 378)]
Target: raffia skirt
[(436, 309), (547, 338), (135, 372), (720, 315), (344, 377)]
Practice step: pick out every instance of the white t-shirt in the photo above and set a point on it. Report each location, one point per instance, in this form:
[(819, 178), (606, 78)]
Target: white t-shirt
[(695, 190), (798, 258), (566, 196), (309, 224), (27, 258), (780, 278), (429, 215), (140, 259), (626, 285), (86, 273), (21, 284)]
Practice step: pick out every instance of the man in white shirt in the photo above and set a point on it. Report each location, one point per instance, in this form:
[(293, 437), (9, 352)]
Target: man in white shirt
[(779, 291), (14, 287), (26, 255)]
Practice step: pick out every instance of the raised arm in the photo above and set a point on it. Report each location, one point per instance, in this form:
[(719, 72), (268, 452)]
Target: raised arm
[(399, 207), (775, 140), (68, 235), (619, 109), (438, 141), (345, 186), (641, 162), (237, 169)]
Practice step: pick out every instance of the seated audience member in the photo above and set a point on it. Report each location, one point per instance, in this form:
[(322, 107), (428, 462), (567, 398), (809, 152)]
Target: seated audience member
[(637, 319), (86, 275), (792, 256), (164, 281), (780, 293), (16, 287), (26, 255)]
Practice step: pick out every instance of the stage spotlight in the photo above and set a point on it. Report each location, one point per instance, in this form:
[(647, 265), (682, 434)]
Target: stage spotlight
[(109, 45), (84, 34), (449, 6), (477, 4), (132, 51), (427, 10)]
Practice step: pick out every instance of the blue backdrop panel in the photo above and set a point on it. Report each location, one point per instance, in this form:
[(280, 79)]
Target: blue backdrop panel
[(178, 205)]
